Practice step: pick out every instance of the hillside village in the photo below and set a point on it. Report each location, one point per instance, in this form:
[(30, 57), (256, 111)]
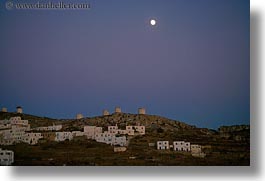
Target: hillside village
[(113, 132)]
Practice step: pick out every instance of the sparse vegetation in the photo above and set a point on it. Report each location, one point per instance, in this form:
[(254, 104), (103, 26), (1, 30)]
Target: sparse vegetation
[(81, 151)]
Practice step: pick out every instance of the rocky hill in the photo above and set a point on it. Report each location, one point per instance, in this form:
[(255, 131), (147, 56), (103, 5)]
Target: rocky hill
[(220, 150)]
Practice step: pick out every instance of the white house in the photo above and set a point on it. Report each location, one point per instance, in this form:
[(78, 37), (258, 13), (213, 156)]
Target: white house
[(196, 151), (113, 129), (49, 128), (13, 135), (31, 138), (18, 121), (130, 130), (162, 145), (105, 137), (6, 137), (181, 146), (91, 131), (62, 136), (6, 157), (196, 148), (110, 138), (119, 149), (5, 124), (121, 141), (77, 133), (121, 131), (140, 129)]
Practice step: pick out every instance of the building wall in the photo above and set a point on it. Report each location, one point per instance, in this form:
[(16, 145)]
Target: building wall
[(77, 133), (113, 129), (181, 146), (31, 138), (49, 128), (120, 149), (140, 129), (91, 131), (6, 157), (195, 149), (18, 121), (62, 136), (162, 145)]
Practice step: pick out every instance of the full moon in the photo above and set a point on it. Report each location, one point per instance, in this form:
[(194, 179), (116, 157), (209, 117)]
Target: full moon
[(153, 22)]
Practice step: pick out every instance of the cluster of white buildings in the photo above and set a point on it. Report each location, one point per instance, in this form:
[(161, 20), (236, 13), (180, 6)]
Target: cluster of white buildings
[(196, 150), (6, 157), (15, 130), (114, 135)]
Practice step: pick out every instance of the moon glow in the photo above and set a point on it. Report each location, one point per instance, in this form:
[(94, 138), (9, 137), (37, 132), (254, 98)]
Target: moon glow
[(153, 22)]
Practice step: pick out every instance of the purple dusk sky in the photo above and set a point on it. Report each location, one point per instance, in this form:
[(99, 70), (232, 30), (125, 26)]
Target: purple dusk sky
[(193, 65)]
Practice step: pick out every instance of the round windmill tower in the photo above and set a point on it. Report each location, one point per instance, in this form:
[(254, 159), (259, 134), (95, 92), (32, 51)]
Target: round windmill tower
[(117, 109), (105, 112), (141, 111), (4, 109), (19, 110)]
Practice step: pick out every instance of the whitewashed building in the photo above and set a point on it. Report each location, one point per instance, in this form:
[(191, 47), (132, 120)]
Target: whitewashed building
[(121, 131), (31, 138), (49, 128), (105, 137), (6, 137), (130, 130), (13, 135), (91, 131), (18, 121), (6, 157), (196, 151), (181, 146), (110, 138), (121, 141), (162, 145), (5, 124), (119, 149), (196, 148), (78, 133), (140, 129), (113, 129), (62, 136)]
